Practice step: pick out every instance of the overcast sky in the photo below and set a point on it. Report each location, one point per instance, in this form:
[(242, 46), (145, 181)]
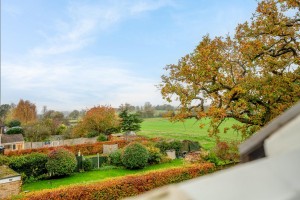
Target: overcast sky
[(74, 54)]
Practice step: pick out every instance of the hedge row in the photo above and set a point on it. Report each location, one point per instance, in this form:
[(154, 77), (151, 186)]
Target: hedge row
[(85, 149), (123, 187)]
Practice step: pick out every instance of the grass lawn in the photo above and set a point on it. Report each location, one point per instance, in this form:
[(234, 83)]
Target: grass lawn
[(188, 130), (96, 175)]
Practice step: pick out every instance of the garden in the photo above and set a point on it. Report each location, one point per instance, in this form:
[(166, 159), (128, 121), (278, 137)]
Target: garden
[(48, 171)]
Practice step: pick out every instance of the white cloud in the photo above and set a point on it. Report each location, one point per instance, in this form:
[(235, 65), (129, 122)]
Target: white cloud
[(87, 20), (76, 84)]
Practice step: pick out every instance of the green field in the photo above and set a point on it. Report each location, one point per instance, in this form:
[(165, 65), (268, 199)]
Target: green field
[(188, 130), (96, 175)]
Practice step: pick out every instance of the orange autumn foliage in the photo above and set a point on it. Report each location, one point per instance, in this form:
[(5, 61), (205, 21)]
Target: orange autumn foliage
[(125, 186), (25, 112), (85, 149), (99, 118)]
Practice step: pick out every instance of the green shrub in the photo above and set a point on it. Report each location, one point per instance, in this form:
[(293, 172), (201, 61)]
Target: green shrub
[(102, 137), (15, 130), (4, 160), (14, 123), (135, 156), (176, 145), (164, 145), (213, 158), (87, 164), (32, 166), (155, 156), (115, 158), (61, 162), (92, 134)]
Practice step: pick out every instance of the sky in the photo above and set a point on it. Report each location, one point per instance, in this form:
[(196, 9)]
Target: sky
[(76, 54)]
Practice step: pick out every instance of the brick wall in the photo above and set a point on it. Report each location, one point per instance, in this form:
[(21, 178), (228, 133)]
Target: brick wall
[(9, 189)]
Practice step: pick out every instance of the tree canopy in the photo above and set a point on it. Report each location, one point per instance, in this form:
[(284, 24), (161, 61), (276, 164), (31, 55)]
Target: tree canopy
[(99, 118), (252, 76), (25, 111), (130, 121)]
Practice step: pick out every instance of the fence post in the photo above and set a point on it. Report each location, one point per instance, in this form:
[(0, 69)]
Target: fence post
[(98, 159)]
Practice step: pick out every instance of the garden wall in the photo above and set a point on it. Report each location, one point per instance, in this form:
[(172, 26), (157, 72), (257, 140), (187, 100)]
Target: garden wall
[(35, 145)]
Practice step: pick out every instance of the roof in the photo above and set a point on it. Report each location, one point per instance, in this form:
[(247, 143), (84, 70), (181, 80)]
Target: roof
[(5, 138), (6, 172), (256, 141)]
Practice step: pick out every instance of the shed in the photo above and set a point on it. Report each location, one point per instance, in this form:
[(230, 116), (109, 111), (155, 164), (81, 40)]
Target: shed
[(10, 182), (12, 142)]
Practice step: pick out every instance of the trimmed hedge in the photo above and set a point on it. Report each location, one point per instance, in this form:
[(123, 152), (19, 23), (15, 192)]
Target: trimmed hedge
[(125, 186), (85, 149), (30, 166)]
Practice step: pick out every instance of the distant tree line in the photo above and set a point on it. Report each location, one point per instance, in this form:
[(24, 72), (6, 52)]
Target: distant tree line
[(22, 118), (148, 110)]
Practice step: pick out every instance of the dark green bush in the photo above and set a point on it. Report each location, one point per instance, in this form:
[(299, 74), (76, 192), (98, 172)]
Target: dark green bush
[(32, 166), (4, 160), (87, 164), (135, 156), (92, 134), (115, 158), (61, 162), (102, 137), (14, 123), (15, 130)]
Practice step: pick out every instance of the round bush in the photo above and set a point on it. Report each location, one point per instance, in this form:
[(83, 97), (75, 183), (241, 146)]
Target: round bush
[(115, 158), (61, 162), (14, 123), (135, 156)]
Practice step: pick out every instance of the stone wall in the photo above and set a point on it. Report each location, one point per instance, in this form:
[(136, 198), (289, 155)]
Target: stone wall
[(34, 145), (9, 189)]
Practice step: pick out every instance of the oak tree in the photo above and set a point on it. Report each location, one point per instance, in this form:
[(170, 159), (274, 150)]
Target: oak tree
[(251, 77)]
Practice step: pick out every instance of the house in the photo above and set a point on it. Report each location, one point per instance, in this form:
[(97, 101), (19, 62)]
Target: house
[(12, 142), (10, 182), (270, 168)]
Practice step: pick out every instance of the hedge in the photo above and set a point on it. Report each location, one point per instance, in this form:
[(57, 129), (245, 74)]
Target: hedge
[(85, 149), (29, 166), (123, 187)]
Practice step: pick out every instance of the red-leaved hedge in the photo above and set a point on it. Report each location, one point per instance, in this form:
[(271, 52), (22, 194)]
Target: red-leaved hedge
[(123, 187), (85, 149)]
